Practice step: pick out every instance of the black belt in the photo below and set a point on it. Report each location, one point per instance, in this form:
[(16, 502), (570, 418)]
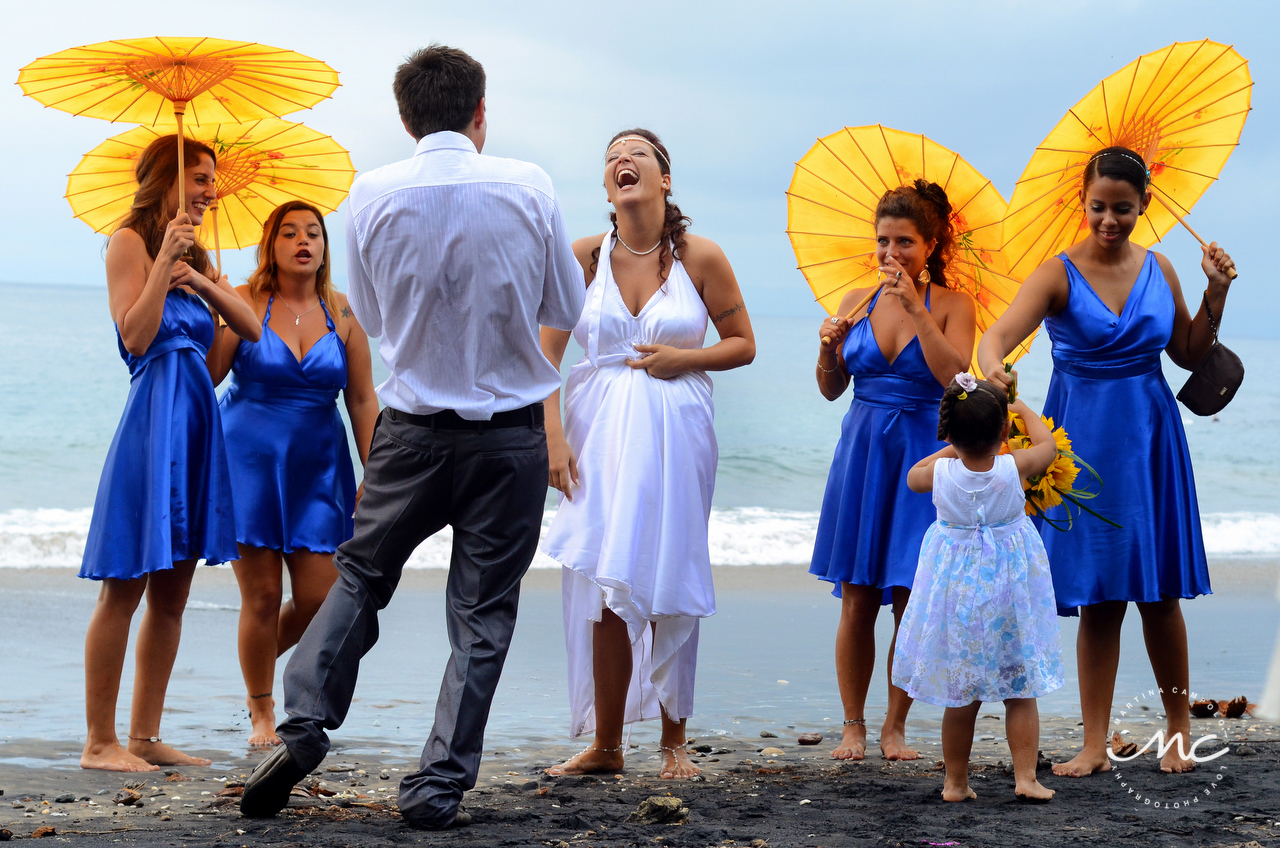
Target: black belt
[(529, 416)]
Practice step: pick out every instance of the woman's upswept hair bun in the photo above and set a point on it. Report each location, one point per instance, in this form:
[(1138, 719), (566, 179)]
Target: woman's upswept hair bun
[(926, 205)]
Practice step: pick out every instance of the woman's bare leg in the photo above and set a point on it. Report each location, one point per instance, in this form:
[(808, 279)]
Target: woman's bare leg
[(957, 744), (611, 668), (258, 571), (676, 764), (1097, 657), (893, 736), (104, 648), (158, 637), (1022, 728), (855, 663), (311, 575), (1166, 636)]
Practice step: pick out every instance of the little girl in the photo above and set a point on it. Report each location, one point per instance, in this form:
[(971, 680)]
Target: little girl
[(981, 624)]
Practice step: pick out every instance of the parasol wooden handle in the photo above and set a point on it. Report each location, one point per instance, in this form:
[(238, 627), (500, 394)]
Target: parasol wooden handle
[(1232, 273), (826, 340), (179, 107), (217, 245)]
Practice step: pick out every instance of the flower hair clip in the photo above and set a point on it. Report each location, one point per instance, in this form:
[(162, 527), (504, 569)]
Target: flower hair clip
[(967, 383)]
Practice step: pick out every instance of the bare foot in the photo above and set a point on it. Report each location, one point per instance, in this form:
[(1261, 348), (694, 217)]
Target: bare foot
[(1174, 763), (893, 746), (160, 754), (113, 757), (1083, 764), (1033, 792), (591, 761), (853, 743), (676, 764), (959, 792), (262, 715)]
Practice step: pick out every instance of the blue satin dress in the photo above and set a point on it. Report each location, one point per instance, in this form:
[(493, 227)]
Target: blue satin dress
[(290, 462), (1107, 390), (165, 493), (871, 525)]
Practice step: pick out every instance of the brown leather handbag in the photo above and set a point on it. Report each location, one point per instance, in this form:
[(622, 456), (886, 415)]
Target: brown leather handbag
[(1214, 382)]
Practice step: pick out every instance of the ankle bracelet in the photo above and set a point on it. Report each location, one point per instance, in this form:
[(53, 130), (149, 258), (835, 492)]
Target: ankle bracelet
[(144, 738), (263, 695), (673, 750), (851, 721)]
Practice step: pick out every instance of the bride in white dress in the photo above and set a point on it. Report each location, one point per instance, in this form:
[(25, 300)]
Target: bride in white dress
[(635, 459)]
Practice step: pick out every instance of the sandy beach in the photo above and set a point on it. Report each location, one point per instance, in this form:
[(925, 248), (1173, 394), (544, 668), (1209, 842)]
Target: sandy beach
[(766, 668)]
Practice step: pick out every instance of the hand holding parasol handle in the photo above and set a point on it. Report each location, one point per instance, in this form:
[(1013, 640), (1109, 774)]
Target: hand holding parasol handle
[(1231, 273), (826, 340)]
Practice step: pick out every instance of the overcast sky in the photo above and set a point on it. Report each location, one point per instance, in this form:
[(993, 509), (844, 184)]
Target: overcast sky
[(738, 91)]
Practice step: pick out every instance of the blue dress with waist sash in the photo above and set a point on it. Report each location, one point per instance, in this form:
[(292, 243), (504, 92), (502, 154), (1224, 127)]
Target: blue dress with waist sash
[(165, 495), (1108, 391), (871, 524), (290, 462)]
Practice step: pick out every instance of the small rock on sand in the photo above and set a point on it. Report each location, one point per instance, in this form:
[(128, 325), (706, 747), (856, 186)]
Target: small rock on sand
[(65, 798), (5, 834), (809, 738), (768, 734), (772, 752), (660, 810)]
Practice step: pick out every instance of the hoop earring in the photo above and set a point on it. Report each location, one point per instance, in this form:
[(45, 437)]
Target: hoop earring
[(924, 277)]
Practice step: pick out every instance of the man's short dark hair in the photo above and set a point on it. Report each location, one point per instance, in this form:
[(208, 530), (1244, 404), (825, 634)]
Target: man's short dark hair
[(438, 88)]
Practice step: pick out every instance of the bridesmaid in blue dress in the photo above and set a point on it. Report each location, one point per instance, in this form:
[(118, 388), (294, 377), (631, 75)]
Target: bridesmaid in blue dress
[(164, 500), (1111, 307), (899, 353), (287, 446)]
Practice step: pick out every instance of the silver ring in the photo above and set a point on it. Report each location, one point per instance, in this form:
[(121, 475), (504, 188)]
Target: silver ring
[(898, 275), (835, 320)]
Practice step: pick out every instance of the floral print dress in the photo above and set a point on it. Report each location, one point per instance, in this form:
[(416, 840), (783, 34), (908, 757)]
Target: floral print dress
[(981, 624)]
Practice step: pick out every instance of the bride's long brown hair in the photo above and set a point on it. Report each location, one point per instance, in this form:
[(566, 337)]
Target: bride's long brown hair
[(263, 280), (153, 207)]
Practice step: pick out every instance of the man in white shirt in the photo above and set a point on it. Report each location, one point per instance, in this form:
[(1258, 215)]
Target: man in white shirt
[(455, 260)]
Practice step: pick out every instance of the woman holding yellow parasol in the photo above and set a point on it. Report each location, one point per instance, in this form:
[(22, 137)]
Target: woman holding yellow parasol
[(164, 500), (900, 351), (1111, 307)]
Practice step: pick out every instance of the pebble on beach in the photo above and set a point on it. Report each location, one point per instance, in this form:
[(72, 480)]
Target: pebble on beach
[(809, 738), (772, 752), (768, 734)]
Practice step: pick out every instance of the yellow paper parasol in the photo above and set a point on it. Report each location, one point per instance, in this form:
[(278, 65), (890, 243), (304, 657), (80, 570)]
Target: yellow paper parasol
[(831, 216), (158, 80), (1181, 108), (261, 164)]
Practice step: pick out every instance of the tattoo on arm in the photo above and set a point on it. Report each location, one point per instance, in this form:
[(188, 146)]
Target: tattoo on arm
[(346, 312), (728, 313)]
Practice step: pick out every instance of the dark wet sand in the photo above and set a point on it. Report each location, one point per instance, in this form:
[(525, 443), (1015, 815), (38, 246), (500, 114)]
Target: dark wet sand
[(799, 798), (745, 797)]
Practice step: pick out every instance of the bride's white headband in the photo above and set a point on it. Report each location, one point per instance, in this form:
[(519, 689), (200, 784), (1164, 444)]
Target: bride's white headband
[(616, 142)]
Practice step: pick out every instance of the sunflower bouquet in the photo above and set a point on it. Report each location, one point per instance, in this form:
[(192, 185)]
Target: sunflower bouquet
[(1057, 484)]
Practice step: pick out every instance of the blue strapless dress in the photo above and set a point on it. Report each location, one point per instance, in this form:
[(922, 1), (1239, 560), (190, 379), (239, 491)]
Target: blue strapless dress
[(165, 493), (871, 524), (1107, 390), (286, 444)]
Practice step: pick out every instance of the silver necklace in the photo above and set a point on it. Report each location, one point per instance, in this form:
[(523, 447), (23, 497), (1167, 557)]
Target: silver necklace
[(297, 319), (633, 250)]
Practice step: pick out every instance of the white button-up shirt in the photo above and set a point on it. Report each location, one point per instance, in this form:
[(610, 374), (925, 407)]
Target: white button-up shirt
[(454, 260)]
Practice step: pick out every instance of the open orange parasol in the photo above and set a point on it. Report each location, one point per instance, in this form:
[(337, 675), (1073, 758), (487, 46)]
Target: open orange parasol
[(150, 80), (1181, 108), (831, 216), (261, 164)]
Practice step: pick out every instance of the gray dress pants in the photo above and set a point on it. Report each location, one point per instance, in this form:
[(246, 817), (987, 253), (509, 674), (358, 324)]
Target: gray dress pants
[(490, 484)]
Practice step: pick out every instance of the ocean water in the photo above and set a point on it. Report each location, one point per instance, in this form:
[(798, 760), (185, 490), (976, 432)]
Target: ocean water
[(63, 387)]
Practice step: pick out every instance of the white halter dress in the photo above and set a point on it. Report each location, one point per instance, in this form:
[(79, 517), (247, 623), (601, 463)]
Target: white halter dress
[(634, 537)]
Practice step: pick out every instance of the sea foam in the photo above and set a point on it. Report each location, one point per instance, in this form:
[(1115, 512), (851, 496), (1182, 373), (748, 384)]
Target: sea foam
[(45, 538)]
